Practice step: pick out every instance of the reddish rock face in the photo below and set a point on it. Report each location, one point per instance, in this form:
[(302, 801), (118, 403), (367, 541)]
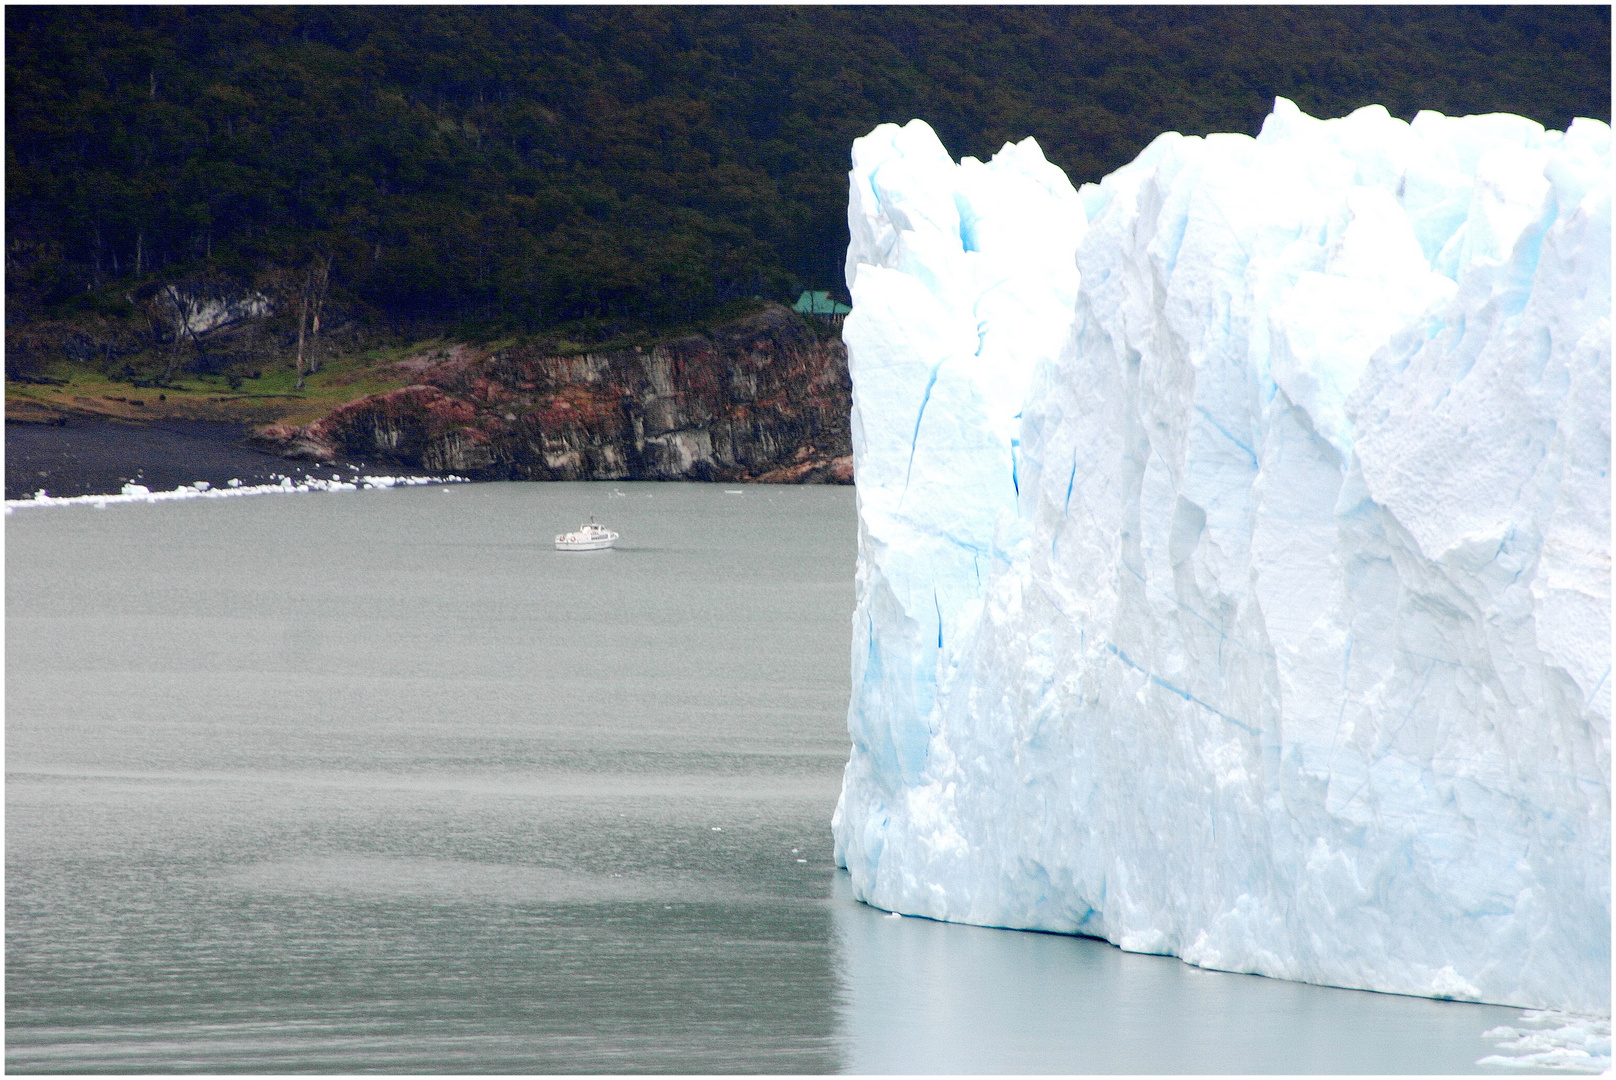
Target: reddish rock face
[(765, 399)]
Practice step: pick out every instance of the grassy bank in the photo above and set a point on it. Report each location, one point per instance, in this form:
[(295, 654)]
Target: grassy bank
[(79, 391), (250, 392)]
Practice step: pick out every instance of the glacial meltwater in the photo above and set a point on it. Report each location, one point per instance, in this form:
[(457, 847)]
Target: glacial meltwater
[(380, 781)]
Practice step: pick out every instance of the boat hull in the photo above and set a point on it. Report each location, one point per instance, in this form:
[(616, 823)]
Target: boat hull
[(585, 545)]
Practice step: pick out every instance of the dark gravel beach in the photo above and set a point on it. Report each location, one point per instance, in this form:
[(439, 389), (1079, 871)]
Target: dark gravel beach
[(87, 457)]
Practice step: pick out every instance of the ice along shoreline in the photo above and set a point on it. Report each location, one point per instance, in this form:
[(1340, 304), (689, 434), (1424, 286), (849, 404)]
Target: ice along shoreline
[(201, 489)]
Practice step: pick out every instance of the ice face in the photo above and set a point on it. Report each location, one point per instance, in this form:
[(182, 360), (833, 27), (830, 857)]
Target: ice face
[(1234, 570)]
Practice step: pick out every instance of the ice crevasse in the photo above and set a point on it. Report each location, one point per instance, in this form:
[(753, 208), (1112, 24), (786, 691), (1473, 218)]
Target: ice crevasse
[(1234, 549)]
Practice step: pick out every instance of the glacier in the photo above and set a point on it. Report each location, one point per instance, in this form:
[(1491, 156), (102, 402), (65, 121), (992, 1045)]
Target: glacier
[(1234, 549)]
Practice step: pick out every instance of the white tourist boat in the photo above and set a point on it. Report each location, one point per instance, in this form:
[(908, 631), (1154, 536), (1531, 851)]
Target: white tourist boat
[(591, 536)]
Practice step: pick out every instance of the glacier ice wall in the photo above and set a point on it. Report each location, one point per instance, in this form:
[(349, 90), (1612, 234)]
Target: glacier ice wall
[(1234, 569)]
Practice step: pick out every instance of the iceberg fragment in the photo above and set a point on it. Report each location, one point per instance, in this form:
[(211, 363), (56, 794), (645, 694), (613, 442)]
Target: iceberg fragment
[(1552, 1040), (1234, 563)]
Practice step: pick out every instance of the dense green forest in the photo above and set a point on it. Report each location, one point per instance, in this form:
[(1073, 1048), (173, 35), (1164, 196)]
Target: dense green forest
[(601, 168)]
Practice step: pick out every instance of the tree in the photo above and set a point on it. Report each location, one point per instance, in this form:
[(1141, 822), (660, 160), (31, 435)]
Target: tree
[(310, 303), (634, 165)]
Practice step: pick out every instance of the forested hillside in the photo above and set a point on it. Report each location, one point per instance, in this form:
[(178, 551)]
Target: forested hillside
[(498, 169)]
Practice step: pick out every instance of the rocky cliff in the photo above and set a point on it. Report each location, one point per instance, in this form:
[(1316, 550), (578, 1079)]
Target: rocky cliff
[(765, 399)]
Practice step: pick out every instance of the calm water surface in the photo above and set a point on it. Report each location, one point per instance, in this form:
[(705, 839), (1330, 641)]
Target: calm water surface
[(381, 781)]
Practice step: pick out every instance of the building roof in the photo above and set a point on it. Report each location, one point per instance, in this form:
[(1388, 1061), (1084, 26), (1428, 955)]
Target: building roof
[(818, 303)]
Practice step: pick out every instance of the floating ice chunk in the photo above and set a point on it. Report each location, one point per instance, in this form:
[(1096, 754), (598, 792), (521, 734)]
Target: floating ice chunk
[(1550, 1039)]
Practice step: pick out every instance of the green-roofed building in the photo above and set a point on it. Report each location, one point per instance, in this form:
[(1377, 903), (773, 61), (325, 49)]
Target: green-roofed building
[(821, 304)]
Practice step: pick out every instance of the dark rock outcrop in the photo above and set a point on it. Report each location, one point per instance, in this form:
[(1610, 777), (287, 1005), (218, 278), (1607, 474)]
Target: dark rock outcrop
[(765, 398)]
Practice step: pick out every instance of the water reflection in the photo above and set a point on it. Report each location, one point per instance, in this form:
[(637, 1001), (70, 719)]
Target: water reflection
[(927, 997)]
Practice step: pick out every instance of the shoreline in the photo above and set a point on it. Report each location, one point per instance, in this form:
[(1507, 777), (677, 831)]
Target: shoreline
[(74, 457), (136, 493)]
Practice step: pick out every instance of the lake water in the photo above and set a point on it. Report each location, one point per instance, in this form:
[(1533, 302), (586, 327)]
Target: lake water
[(379, 781)]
